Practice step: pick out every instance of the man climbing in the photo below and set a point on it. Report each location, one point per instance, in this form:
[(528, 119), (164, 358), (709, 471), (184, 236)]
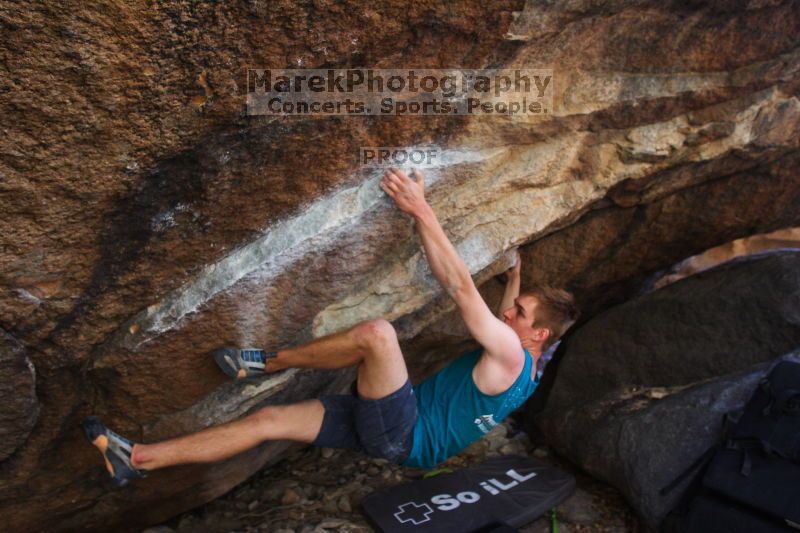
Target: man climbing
[(383, 416)]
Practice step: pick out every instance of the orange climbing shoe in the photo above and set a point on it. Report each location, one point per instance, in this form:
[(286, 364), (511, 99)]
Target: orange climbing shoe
[(116, 451)]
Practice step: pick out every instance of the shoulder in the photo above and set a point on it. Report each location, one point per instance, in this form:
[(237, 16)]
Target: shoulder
[(494, 375), (513, 358)]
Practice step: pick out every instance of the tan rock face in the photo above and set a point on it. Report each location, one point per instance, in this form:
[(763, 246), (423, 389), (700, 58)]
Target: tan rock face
[(782, 238), (146, 220)]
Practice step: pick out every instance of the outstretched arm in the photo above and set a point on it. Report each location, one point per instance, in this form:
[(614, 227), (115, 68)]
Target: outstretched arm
[(512, 286), (449, 269)]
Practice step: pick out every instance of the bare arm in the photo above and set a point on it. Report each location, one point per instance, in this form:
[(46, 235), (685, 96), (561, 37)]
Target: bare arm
[(512, 287), (451, 272)]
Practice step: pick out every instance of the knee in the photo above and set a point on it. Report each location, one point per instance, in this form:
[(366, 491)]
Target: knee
[(374, 334), (265, 418)]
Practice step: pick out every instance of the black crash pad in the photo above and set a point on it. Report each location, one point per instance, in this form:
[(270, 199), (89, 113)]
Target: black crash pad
[(509, 490)]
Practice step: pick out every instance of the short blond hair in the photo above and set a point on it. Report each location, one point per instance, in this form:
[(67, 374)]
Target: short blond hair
[(555, 311)]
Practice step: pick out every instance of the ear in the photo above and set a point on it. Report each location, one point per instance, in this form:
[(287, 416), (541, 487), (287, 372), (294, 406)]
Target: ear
[(541, 334)]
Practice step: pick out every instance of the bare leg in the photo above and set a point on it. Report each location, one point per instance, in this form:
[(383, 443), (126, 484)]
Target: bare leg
[(298, 422), (338, 350), (371, 345)]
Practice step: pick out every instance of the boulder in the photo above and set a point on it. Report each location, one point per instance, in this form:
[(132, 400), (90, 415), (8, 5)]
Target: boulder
[(641, 440), (784, 238), (640, 389), (716, 322), (147, 219)]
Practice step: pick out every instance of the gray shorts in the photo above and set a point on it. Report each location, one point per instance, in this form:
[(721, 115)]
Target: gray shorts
[(380, 428)]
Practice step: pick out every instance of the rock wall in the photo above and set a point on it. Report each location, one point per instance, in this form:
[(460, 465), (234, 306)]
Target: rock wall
[(783, 238), (146, 220), (641, 388)]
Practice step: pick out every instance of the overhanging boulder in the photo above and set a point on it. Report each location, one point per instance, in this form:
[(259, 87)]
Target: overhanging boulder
[(641, 388), (146, 221)]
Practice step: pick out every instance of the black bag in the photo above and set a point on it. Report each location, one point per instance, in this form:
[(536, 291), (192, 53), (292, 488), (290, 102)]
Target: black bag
[(760, 463), (711, 513), (754, 475)]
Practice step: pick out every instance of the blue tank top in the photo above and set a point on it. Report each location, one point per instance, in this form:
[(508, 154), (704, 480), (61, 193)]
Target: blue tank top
[(454, 413)]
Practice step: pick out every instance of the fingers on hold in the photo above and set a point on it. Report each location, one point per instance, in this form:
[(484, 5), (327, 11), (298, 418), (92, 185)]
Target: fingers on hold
[(393, 179), (387, 190), (397, 173)]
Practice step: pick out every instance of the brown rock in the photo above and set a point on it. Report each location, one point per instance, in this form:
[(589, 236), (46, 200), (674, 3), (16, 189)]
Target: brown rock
[(290, 497), (579, 509), (143, 215), (344, 504), (332, 523), (330, 506), (327, 453), (19, 407), (541, 453)]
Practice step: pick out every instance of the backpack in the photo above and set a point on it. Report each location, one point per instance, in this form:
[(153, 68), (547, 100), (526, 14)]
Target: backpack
[(752, 482)]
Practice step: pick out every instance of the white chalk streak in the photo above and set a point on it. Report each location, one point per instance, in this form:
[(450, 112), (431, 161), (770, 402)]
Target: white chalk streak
[(285, 242)]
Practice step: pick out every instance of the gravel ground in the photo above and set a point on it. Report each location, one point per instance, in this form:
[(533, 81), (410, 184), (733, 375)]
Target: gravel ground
[(317, 490)]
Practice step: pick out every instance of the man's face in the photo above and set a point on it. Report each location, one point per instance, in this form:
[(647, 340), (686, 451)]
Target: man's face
[(521, 316)]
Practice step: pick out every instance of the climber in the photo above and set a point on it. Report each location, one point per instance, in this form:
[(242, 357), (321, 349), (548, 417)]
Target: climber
[(383, 415)]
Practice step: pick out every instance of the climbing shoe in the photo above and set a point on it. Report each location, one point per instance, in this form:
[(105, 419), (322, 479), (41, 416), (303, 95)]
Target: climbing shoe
[(116, 451), (241, 363)]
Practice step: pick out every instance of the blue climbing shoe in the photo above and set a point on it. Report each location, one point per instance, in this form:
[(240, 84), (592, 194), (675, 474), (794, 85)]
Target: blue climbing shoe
[(242, 363), (116, 451)]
